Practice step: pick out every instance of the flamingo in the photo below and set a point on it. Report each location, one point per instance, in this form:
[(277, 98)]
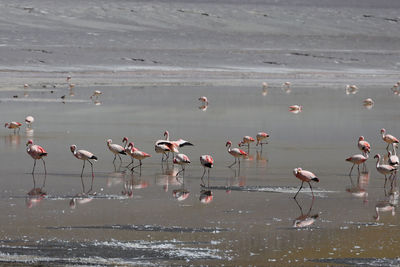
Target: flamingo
[(295, 109), (85, 156), (247, 140), (173, 144), (13, 125), (207, 162), (181, 159), (164, 147), (116, 150), (305, 176), (368, 103), (286, 86), (261, 136), (137, 154), (384, 169), (36, 152), (388, 138), (204, 100), (357, 159), (236, 153), (351, 89), (383, 206), (68, 78), (96, 94), (29, 120), (363, 145), (393, 158)]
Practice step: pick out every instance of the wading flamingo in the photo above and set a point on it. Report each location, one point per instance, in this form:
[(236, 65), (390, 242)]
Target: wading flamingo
[(388, 138), (13, 125), (305, 176), (96, 94), (137, 154), (204, 100), (363, 145), (261, 136), (384, 169), (236, 153), (207, 162), (393, 159), (36, 152), (357, 159), (247, 140), (183, 160), (116, 150), (85, 156), (29, 120)]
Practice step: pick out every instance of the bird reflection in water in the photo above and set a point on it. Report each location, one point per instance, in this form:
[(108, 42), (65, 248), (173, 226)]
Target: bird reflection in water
[(383, 206), (359, 189), (132, 183), (181, 193), (307, 219), (13, 140), (36, 194), (84, 197), (167, 176), (206, 196), (261, 160)]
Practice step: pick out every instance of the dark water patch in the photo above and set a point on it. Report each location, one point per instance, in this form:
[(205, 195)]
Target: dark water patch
[(150, 228), (361, 261)]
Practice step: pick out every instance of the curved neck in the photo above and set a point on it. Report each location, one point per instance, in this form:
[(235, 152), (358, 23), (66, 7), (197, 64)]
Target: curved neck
[(166, 134), (377, 161)]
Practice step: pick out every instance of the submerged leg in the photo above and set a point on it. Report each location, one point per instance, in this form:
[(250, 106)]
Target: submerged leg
[(299, 189), (44, 165), (202, 181)]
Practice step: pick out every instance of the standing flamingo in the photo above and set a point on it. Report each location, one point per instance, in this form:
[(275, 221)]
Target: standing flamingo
[(388, 138), (305, 176), (96, 94), (116, 150), (384, 169), (261, 136), (181, 159), (13, 125), (137, 154), (36, 152), (29, 120), (207, 162), (173, 144), (85, 156), (363, 145), (164, 147), (357, 159), (204, 100), (393, 159), (236, 153), (247, 140)]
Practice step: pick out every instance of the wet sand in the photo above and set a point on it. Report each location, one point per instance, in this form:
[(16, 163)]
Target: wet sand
[(133, 218)]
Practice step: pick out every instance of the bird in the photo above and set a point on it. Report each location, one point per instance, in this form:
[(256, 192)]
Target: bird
[(393, 159), (247, 140), (173, 144), (68, 78), (163, 147), (235, 152), (388, 138), (286, 86), (36, 152), (181, 159), (305, 176), (204, 100), (368, 103), (29, 120), (295, 109), (384, 169), (96, 94), (116, 150), (207, 162), (85, 156), (265, 85), (137, 154), (206, 196), (13, 125), (357, 159), (261, 136), (351, 89), (26, 85), (363, 145), (383, 206)]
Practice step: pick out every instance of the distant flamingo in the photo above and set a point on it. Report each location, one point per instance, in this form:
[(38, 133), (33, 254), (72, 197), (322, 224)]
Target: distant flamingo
[(204, 100), (68, 78), (183, 160), (207, 162), (393, 159), (357, 159), (368, 103), (116, 150), (163, 147), (261, 136), (29, 120), (36, 152), (247, 140), (351, 89), (96, 94), (173, 144), (286, 86), (363, 145), (85, 156), (388, 138), (384, 169), (13, 125), (236, 153), (295, 109), (305, 176), (137, 154)]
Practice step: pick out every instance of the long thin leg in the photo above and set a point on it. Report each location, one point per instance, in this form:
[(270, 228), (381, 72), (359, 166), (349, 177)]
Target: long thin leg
[(299, 189), (44, 164), (91, 185), (91, 164), (351, 169), (83, 167), (232, 163), (208, 178), (120, 157), (34, 165), (311, 189), (115, 157), (385, 182), (202, 181)]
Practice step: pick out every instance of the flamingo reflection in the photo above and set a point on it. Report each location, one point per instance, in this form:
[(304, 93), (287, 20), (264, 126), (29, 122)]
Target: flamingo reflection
[(181, 193), (36, 194), (307, 219), (206, 196), (359, 190), (383, 206), (167, 177)]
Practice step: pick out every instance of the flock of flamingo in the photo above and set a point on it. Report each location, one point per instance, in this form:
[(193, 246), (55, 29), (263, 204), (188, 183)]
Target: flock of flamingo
[(166, 147)]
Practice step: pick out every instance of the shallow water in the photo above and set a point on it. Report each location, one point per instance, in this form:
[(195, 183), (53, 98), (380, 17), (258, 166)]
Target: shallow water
[(134, 218)]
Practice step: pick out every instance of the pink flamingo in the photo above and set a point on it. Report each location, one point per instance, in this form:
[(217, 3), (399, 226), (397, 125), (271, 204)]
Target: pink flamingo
[(236, 153), (204, 100), (183, 160), (36, 152), (29, 120), (173, 145), (85, 156), (247, 140), (116, 150), (363, 145), (357, 159), (207, 162), (388, 138), (13, 125), (305, 176), (164, 147), (384, 169), (261, 136), (137, 154)]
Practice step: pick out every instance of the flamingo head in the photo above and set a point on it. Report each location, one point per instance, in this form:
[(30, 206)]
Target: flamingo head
[(203, 99), (73, 148), (383, 131), (377, 156), (361, 138), (5, 125), (229, 143), (109, 141), (166, 134), (130, 145), (30, 142), (297, 171), (125, 139), (240, 144)]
